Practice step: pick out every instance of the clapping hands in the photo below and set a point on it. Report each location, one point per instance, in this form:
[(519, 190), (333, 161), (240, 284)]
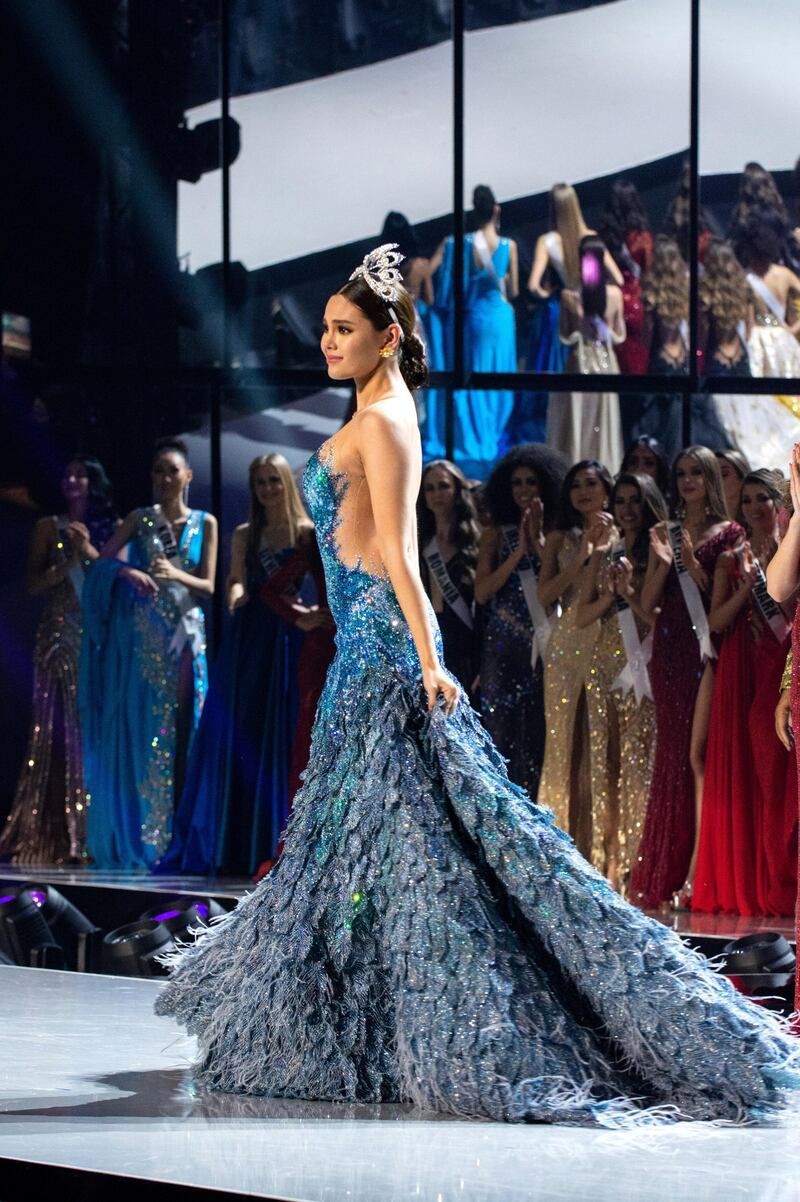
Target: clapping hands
[(597, 535), (530, 528)]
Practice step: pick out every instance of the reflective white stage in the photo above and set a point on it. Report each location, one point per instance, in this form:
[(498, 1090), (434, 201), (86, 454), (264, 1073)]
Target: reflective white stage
[(91, 1079)]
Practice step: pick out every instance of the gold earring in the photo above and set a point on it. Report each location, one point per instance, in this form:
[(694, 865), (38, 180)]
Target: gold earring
[(386, 352)]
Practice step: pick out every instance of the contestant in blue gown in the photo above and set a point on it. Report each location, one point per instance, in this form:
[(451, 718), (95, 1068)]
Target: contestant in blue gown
[(429, 935), (491, 282), (236, 798), (143, 667)]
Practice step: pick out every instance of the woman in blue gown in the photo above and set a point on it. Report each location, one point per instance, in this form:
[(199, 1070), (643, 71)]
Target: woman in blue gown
[(438, 325), (491, 280), (429, 935), (143, 666), (237, 792)]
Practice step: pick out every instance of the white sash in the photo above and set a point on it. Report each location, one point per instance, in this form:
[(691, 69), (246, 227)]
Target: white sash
[(76, 571), (529, 579), (761, 289), (691, 595), (772, 613), (438, 568), (482, 247), (270, 564), (190, 628), (637, 652)]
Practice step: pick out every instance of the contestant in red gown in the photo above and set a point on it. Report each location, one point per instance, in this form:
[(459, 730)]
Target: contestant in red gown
[(747, 853), (682, 682), (624, 228), (315, 658), (783, 579)]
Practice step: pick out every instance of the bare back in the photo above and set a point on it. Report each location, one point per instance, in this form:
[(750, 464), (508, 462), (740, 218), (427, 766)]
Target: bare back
[(359, 451)]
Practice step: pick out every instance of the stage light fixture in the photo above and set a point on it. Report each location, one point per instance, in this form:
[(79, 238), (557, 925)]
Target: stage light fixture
[(25, 936), (133, 950), (179, 914), (79, 938), (762, 967)]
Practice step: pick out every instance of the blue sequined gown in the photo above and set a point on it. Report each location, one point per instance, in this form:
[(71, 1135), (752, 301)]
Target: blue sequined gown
[(430, 936)]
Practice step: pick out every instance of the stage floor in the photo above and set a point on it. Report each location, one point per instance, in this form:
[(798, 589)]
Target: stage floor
[(90, 1078)]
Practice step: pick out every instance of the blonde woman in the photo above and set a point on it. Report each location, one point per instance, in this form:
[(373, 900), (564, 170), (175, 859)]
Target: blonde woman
[(238, 788), (665, 293), (556, 265), (677, 592)]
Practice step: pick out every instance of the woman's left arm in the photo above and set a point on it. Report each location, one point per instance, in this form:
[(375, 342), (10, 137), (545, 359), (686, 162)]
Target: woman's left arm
[(388, 466), (512, 284)]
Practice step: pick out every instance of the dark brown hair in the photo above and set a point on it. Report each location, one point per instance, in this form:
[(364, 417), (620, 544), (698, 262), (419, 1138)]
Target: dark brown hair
[(412, 358), (464, 529), (569, 517), (654, 510)]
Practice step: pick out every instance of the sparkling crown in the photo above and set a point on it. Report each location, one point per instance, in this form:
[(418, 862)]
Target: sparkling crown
[(379, 269)]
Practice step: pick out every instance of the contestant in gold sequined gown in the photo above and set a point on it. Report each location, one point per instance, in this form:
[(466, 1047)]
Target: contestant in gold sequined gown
[(622, 730), (564, 785)]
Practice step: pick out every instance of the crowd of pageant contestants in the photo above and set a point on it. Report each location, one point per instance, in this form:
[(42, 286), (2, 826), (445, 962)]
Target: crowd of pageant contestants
[(617, 637), (609, 301)]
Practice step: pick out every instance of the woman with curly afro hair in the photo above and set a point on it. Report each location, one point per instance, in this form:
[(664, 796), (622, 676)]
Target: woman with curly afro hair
[(521, 497)]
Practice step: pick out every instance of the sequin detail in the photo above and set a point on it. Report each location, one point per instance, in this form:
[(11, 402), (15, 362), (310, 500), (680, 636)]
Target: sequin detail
[(155, 624), (622, 737), (430, 936), (565, 776)]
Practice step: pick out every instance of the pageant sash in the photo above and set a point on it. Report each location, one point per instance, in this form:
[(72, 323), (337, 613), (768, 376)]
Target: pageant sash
[(76, 571), (691, 595), (269, 562), (529, 579), (438, 568), (772, 613), (637, 651), (482, 247), (190, 628), (761, 289)]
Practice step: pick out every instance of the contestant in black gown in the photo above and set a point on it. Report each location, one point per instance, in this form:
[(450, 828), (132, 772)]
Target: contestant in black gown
[(521, 496)]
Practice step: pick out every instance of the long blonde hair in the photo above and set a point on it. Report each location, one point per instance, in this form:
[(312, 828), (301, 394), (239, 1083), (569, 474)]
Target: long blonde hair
[(293, 511), (712, 477), (665, 288), (724, 291), (571, 226)]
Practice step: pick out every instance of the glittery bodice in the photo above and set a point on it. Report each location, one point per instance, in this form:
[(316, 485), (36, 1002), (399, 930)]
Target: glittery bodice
[(429, 936), (370, 627)]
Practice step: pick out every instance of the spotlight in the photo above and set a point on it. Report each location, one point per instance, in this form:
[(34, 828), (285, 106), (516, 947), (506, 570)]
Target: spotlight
[(79, 938), (25, 937), (132, 950), (178, 914)]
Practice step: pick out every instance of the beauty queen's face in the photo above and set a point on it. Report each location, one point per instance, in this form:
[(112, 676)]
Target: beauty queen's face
[(268, 485), (350, 342), (75, 481), (628, 508), (439, 490), (758, 509), (524, 486), (588, 493), (170, 475), (690, 479), (642, 462)]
